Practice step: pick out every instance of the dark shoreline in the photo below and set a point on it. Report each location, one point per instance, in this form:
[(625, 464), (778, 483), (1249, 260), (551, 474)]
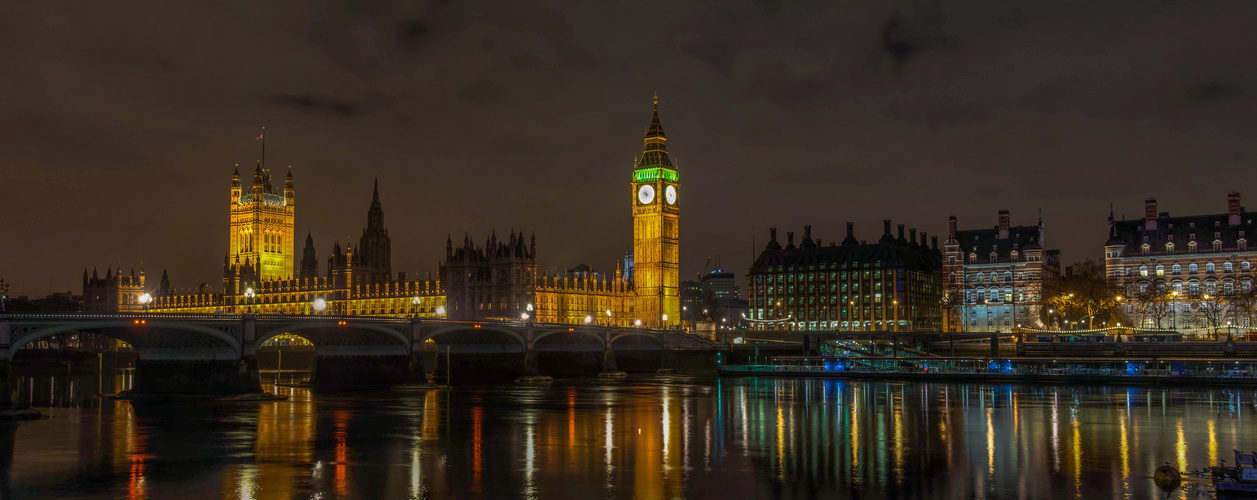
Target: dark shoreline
[(1002, 378)]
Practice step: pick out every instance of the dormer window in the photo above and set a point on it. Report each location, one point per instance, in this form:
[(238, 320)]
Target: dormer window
[(1217, 245), (1242, 243), (1146, 248), (973, 258), (1014, 255), (1191, 225), (1169, 248), (1191, 246), (994, 256)]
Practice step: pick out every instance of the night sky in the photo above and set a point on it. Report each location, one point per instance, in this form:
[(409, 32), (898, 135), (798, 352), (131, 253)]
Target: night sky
[(120, 123)]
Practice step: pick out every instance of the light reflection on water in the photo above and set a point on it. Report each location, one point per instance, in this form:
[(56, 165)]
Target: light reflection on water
[(644, 438)]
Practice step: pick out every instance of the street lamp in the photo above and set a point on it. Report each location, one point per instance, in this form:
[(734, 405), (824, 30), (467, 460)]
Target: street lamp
[(637, 322), (524, 316), (319, 305), (440, 310)]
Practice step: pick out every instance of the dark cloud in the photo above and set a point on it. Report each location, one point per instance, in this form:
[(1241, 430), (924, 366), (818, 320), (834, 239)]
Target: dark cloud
[(1213, 91), (481, 92), (121, 127), (319, 104)]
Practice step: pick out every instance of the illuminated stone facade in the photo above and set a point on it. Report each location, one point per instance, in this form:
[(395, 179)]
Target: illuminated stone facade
[(656, 231), (352, 284), (1187, 273), (890, 285), (999, 277), (262, 225), (499, 281), (114, 292)]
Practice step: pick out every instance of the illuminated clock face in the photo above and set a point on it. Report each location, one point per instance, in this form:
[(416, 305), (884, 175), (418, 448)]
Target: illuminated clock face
[(646, 194), (670, 194)]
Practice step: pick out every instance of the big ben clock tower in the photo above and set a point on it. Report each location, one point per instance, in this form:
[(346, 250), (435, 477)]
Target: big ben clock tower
[(656, 234)]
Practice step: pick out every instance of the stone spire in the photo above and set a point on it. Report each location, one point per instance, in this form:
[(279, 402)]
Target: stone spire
[(655, 148)]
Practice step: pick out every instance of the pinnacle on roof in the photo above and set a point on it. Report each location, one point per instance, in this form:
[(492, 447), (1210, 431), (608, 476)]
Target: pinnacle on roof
[(375, 196)]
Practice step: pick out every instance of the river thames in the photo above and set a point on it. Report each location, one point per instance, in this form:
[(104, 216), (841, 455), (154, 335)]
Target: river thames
[(647, 437)]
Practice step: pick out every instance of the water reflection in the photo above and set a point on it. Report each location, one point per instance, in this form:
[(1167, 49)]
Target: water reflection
[(646, 438)]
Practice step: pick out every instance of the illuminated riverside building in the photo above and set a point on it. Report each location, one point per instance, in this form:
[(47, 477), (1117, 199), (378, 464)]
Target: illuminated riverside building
[(997, 278), (115, 292), (496, 281), (354, 283), (500, 281), (656, 231), (890, 285), (262, 225), (1186, 272)]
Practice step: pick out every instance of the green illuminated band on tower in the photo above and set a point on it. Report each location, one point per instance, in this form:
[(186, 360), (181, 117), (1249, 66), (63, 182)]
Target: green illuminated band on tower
[(654, 174)]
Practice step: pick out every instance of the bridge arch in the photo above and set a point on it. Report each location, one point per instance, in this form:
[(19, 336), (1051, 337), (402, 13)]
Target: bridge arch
[(580, 332), (448, 332), (155, 338), (297, 328), (653, 336)]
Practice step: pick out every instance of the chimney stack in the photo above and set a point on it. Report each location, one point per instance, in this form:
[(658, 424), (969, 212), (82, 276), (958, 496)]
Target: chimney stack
[(850, 229), (1233, 208), (1004, 224), (772, 234), (807, 232), (789, 238), (934, 243), (951, 228), (923, 239), (886, 227), (1150, 214), (912, 235), (901, 238)]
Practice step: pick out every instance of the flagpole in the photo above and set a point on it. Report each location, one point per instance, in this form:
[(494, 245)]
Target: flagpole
[(263, 136)]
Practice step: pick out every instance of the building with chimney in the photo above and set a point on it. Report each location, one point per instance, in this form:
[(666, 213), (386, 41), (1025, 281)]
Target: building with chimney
[(852, 285), (997, 278), (1189, 273)]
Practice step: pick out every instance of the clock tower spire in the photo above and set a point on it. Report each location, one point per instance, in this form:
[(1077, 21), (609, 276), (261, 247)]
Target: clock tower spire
[(656, 233)]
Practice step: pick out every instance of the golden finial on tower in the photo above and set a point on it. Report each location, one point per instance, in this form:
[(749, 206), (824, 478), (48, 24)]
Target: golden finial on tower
[(656, 98)]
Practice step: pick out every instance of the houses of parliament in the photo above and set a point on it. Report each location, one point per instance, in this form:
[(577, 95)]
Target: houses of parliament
[(496, 280)]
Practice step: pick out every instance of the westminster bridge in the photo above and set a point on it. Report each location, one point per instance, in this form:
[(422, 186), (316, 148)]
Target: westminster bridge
[(216, 353)]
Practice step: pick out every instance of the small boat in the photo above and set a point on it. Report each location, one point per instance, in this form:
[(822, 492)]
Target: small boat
[(1238, 480)]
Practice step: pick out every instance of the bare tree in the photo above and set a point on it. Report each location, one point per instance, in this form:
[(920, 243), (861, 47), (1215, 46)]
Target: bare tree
[(952, 298), (1212, 308)]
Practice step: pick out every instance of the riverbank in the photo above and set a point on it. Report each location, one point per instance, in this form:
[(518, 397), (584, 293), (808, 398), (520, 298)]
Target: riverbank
[(985, 377)]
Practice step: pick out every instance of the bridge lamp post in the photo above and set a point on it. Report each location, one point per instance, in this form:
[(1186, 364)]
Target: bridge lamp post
[(248, 296), (144, 300), (588, 319), (319, 305), (440, 310), (415, 301), (665, 321), (637, 323), (4, 293)]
